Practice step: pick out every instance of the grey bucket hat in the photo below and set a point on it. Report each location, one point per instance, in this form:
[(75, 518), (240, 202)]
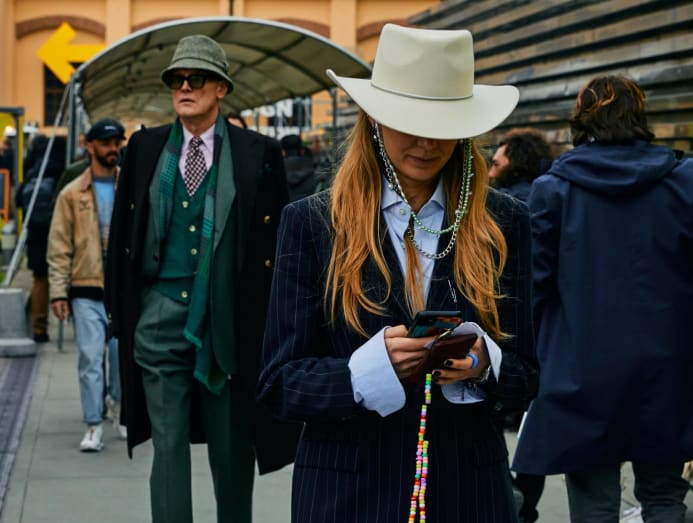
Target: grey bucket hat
[(199, 52)]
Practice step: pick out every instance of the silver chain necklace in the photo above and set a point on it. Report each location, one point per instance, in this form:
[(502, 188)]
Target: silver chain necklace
[(462, 202)]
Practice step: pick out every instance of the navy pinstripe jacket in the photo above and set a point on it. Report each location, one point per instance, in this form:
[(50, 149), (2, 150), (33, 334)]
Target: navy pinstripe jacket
[(353, 465)]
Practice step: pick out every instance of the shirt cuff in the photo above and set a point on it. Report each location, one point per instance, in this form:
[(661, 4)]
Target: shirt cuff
[(462, 392), (375, 384)]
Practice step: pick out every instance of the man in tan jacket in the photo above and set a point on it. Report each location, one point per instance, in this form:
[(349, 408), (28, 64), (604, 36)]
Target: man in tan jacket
[(77, 245)]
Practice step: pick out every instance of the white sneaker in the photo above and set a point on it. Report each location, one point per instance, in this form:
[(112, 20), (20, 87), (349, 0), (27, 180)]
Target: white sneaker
[(91, 442), (121, 430)]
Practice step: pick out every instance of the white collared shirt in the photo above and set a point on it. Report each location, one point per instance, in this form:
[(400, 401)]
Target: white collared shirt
[(396, 213), (207, 147)]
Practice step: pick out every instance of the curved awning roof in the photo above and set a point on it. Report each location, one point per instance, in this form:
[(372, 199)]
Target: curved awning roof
[(268, 61)]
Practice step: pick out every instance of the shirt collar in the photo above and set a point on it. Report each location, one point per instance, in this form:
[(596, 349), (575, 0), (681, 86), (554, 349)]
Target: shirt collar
[(207, 138), (389, 198)]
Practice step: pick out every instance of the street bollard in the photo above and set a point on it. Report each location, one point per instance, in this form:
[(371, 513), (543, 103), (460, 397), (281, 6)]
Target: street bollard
[(9, 240), (14, 339)]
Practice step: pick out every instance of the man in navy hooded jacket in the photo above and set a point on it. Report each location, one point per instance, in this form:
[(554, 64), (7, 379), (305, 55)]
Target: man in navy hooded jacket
[(612, 227)]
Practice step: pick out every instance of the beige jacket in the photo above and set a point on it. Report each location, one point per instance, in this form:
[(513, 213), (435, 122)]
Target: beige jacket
[(75, 259)]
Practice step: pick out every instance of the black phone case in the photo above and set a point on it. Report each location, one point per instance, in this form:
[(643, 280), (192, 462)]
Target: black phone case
[(455, 347)]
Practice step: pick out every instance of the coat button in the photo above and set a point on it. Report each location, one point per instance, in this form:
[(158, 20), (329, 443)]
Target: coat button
[(132, 206), (127, 250), (268, 263), (184, 294), (267, 219)]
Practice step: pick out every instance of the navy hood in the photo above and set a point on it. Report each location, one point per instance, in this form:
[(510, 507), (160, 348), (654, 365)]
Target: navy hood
[(615, 170)]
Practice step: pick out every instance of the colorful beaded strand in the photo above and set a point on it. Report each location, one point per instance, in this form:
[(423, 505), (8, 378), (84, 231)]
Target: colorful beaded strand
[(418, 495)]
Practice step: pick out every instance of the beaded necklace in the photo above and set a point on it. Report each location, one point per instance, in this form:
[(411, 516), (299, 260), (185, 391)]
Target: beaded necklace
[(418, 495), (462, 201)]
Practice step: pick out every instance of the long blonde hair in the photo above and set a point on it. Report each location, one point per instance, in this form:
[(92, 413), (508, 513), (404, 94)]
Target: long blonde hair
[(480, 250)]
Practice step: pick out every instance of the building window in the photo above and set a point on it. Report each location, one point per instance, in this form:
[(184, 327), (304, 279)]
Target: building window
[(53, 94)]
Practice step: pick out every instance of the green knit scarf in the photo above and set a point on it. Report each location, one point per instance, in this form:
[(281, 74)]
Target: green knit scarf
[(196, 330)]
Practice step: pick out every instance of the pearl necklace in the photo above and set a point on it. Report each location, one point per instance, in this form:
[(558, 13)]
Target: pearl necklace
[(462, 202)]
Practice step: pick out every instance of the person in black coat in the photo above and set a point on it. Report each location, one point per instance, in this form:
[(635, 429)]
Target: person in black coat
[(38, 224), (408, 225), (188, 270), (521, 156)]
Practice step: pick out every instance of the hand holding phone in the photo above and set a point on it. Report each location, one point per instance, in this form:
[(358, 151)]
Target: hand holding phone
[(443, 348)]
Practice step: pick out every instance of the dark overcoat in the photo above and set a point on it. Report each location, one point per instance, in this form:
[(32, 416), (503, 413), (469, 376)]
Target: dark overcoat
[(352, 464), (612, 229), (241, 271)]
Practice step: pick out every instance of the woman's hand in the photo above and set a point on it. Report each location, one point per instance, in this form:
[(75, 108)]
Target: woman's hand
[(461, 369), (405, 353)]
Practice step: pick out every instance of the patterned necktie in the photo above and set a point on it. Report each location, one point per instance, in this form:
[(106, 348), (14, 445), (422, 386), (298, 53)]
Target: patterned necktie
[(195, 167)]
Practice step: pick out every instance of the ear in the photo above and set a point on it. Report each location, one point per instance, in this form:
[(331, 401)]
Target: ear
[(222, 89)]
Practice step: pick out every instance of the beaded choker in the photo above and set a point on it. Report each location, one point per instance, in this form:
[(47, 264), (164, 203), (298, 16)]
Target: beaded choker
[(418, 495), (462, 201)]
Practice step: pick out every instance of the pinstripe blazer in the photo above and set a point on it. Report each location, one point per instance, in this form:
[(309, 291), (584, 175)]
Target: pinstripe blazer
[(353, 465)]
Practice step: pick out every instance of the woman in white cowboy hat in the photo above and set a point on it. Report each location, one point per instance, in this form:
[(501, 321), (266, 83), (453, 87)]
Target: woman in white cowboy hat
[(408, 225)]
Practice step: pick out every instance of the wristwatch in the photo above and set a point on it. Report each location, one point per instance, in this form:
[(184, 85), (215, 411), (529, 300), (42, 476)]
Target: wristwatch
[(483, 378)]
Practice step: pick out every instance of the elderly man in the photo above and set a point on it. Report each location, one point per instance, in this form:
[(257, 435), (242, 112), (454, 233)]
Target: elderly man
[(77, 243), (190, 264)]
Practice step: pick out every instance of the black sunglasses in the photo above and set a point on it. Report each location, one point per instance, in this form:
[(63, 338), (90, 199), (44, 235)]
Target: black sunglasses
[(195, 80)]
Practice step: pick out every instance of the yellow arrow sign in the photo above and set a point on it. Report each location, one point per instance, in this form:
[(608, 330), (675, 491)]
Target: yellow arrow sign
[(58, 52)]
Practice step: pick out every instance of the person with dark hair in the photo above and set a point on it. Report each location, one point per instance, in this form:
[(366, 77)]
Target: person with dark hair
[(521, 156), (78, 240), (408, 225), (613, 284), (39, 221), (301, 174)]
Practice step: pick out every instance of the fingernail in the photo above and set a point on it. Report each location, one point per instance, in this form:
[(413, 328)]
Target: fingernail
[(447, 363), (435, 374)]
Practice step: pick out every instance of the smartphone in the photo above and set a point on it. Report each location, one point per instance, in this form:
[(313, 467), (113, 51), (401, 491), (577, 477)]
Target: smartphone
[(443, 348), (433, 323)]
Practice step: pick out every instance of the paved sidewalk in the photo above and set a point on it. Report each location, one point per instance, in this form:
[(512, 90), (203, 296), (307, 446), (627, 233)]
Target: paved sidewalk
[(52, 482)]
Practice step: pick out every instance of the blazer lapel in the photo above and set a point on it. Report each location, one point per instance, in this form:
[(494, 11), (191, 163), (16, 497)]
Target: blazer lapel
[(392, 261), (245, 157), (443, 293), (227, 189), (146, 168)]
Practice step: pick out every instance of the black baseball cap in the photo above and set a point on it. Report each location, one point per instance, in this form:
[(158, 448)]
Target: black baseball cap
[(105, 129)]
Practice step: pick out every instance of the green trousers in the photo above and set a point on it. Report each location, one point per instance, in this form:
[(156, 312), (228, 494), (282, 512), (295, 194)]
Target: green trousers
[(167, 360)]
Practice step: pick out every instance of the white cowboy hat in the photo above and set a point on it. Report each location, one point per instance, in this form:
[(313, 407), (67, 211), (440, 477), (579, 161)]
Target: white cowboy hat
[(423, 84)]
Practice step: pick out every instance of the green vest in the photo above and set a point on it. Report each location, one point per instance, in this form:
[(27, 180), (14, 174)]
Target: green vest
[(222, 298), (180, 252)]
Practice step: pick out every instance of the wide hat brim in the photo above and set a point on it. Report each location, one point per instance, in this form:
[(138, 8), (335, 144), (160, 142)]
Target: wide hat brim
[(439, 119)]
